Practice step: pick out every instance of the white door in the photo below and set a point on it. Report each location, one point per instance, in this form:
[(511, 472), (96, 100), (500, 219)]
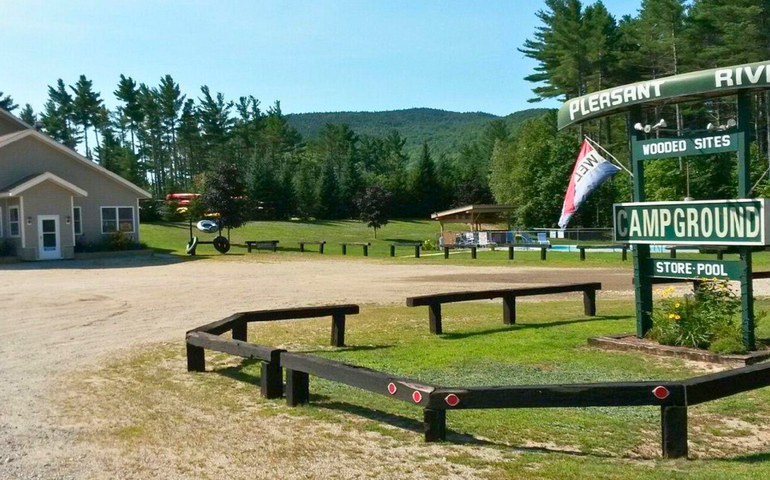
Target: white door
[(48, 241)]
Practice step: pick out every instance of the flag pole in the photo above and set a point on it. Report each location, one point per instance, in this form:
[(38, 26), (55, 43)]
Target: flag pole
[(596, 144)]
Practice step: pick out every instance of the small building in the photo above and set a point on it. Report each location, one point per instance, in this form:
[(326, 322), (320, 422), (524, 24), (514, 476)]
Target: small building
[(475, 215), (51, 197)]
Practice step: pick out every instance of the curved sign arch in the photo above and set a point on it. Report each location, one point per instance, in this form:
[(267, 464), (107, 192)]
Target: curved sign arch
[(717, 82)]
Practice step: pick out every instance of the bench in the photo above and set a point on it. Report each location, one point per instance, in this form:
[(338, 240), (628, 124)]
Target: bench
[(623, 247), (365, 246), (473, 249), (509, 295), (320, 244), (417, 246), (511, 246), (208, 337), (262, 245)]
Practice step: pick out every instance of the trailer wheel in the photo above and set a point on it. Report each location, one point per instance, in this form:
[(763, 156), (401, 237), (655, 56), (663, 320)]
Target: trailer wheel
[(222, 244)]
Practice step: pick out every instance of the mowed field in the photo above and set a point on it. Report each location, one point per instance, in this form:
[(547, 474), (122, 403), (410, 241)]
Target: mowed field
[(172, 238)]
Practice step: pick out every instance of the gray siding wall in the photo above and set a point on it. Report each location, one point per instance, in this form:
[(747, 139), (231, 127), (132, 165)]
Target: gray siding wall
[(8, 126), (47, 199), (30, 156)]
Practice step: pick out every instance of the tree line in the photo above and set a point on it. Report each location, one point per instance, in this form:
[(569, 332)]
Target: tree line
[(580, 49), (165, 141)]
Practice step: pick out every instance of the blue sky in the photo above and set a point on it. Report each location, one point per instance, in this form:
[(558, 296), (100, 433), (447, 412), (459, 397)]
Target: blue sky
[(312, 55)]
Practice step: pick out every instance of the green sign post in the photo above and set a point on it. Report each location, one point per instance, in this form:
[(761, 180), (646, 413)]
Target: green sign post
[(741, 223)]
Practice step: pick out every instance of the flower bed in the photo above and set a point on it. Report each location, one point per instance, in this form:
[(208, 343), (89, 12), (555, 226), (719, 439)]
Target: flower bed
[(709, 318)]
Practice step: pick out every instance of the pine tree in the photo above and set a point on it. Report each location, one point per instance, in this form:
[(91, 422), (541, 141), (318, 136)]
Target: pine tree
[(85, 107), (328, 192), (6, 103), (426, 191), (28, 115), (128, 93), (57, 116), (352, 186)]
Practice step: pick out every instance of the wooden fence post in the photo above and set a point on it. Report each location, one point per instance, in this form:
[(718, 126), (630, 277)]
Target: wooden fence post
[(509, 309), (196, 359), (446, 252), (434, 314), (473, 253), (416, 251), (366, 250), (240, 331), (589, 302), (542, 253), (435, 425), (297, 388), (344, 249), (392, 250), (271, 381), (673, 422), (321, 248), (338, 330), (582, 254), (510, 252), (624, 255)]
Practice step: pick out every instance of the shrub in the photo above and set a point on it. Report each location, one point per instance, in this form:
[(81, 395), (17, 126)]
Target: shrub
[(429, 244), (113, 242), (708, 318), (7, 248)]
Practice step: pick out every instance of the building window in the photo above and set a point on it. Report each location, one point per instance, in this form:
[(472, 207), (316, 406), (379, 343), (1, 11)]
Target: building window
[(14, 221), (77, 220), (118, 219)]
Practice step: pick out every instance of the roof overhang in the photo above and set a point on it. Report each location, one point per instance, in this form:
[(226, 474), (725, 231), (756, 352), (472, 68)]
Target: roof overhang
[(470, 213), (18, 189), (14, 137), (687, 87)]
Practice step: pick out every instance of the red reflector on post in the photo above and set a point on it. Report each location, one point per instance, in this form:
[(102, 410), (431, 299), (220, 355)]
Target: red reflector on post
[(417, 397), (452, 400), (661, 392), (392, 389)]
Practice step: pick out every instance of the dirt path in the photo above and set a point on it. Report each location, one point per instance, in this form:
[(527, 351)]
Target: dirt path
[(65, 315)]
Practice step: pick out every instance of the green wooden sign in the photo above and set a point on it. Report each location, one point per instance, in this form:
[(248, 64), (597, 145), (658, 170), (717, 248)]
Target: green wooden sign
[(708, 222), (716, 82), (695, 269), (686, 146)]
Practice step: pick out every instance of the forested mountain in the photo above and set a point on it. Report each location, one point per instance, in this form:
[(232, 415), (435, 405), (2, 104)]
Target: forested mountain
[(445, 131), (320, 164)]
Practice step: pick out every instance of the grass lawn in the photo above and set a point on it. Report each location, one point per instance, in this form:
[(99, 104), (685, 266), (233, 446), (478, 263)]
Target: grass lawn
[(172, 238), (156, 397)]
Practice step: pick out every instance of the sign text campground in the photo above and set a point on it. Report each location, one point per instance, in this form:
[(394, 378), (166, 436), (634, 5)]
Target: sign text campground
[(709, 222), (694, 269), (686, 146)]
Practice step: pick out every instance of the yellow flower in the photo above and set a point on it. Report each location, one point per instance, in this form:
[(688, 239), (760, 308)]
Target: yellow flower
[(677, 317), (677, 305), (671, 315)]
